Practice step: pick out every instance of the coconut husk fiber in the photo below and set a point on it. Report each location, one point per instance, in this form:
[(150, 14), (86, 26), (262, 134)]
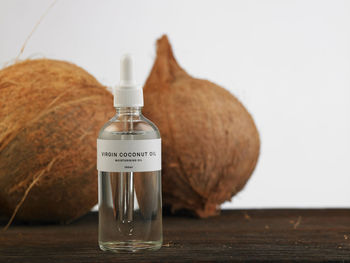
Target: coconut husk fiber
[(51, 112), (210, 143)]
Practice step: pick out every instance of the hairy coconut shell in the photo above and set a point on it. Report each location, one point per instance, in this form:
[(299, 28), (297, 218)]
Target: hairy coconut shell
[(210, 142), (51, 112)]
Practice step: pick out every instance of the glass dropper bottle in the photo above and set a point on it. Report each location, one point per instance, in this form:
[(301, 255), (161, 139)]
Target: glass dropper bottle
[(129, 173)]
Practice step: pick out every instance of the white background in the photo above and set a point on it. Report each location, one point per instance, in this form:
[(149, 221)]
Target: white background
[(287, 61)]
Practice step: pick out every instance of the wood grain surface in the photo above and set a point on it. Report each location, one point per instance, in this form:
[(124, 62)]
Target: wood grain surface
[(235, 235)]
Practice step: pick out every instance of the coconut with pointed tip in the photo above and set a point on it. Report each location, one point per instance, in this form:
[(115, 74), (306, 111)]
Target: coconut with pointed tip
[(210, 142)]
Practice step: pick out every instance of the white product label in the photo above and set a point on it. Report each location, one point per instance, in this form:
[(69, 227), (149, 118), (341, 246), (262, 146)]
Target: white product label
[(129, 155)]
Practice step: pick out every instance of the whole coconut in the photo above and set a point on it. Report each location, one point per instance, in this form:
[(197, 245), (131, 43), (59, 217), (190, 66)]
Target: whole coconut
[(50, 115), (210, 142)]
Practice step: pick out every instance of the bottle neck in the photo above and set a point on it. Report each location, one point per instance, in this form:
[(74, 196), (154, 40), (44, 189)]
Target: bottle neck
[(135, 111)]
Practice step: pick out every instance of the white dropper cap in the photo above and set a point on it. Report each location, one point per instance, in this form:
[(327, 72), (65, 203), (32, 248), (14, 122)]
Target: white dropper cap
[(127, 93)]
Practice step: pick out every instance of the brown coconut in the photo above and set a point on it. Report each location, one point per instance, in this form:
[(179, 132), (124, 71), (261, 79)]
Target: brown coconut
[(210, 142), (51, 112)]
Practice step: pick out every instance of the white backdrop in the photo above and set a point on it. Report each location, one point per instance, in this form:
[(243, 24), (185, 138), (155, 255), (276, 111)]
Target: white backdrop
[(287, 61)]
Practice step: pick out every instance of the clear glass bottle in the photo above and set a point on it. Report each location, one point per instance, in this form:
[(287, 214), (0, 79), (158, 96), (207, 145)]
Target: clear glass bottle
[(130, 205)]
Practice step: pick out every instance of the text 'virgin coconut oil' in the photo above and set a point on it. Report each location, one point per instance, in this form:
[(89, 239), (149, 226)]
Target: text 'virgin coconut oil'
[(129, 173)]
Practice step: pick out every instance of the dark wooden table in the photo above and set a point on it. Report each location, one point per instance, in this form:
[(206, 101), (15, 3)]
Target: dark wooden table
[(236, 235)]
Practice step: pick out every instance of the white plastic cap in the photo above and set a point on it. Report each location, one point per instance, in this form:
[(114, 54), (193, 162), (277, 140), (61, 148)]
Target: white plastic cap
[(127, 93)]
